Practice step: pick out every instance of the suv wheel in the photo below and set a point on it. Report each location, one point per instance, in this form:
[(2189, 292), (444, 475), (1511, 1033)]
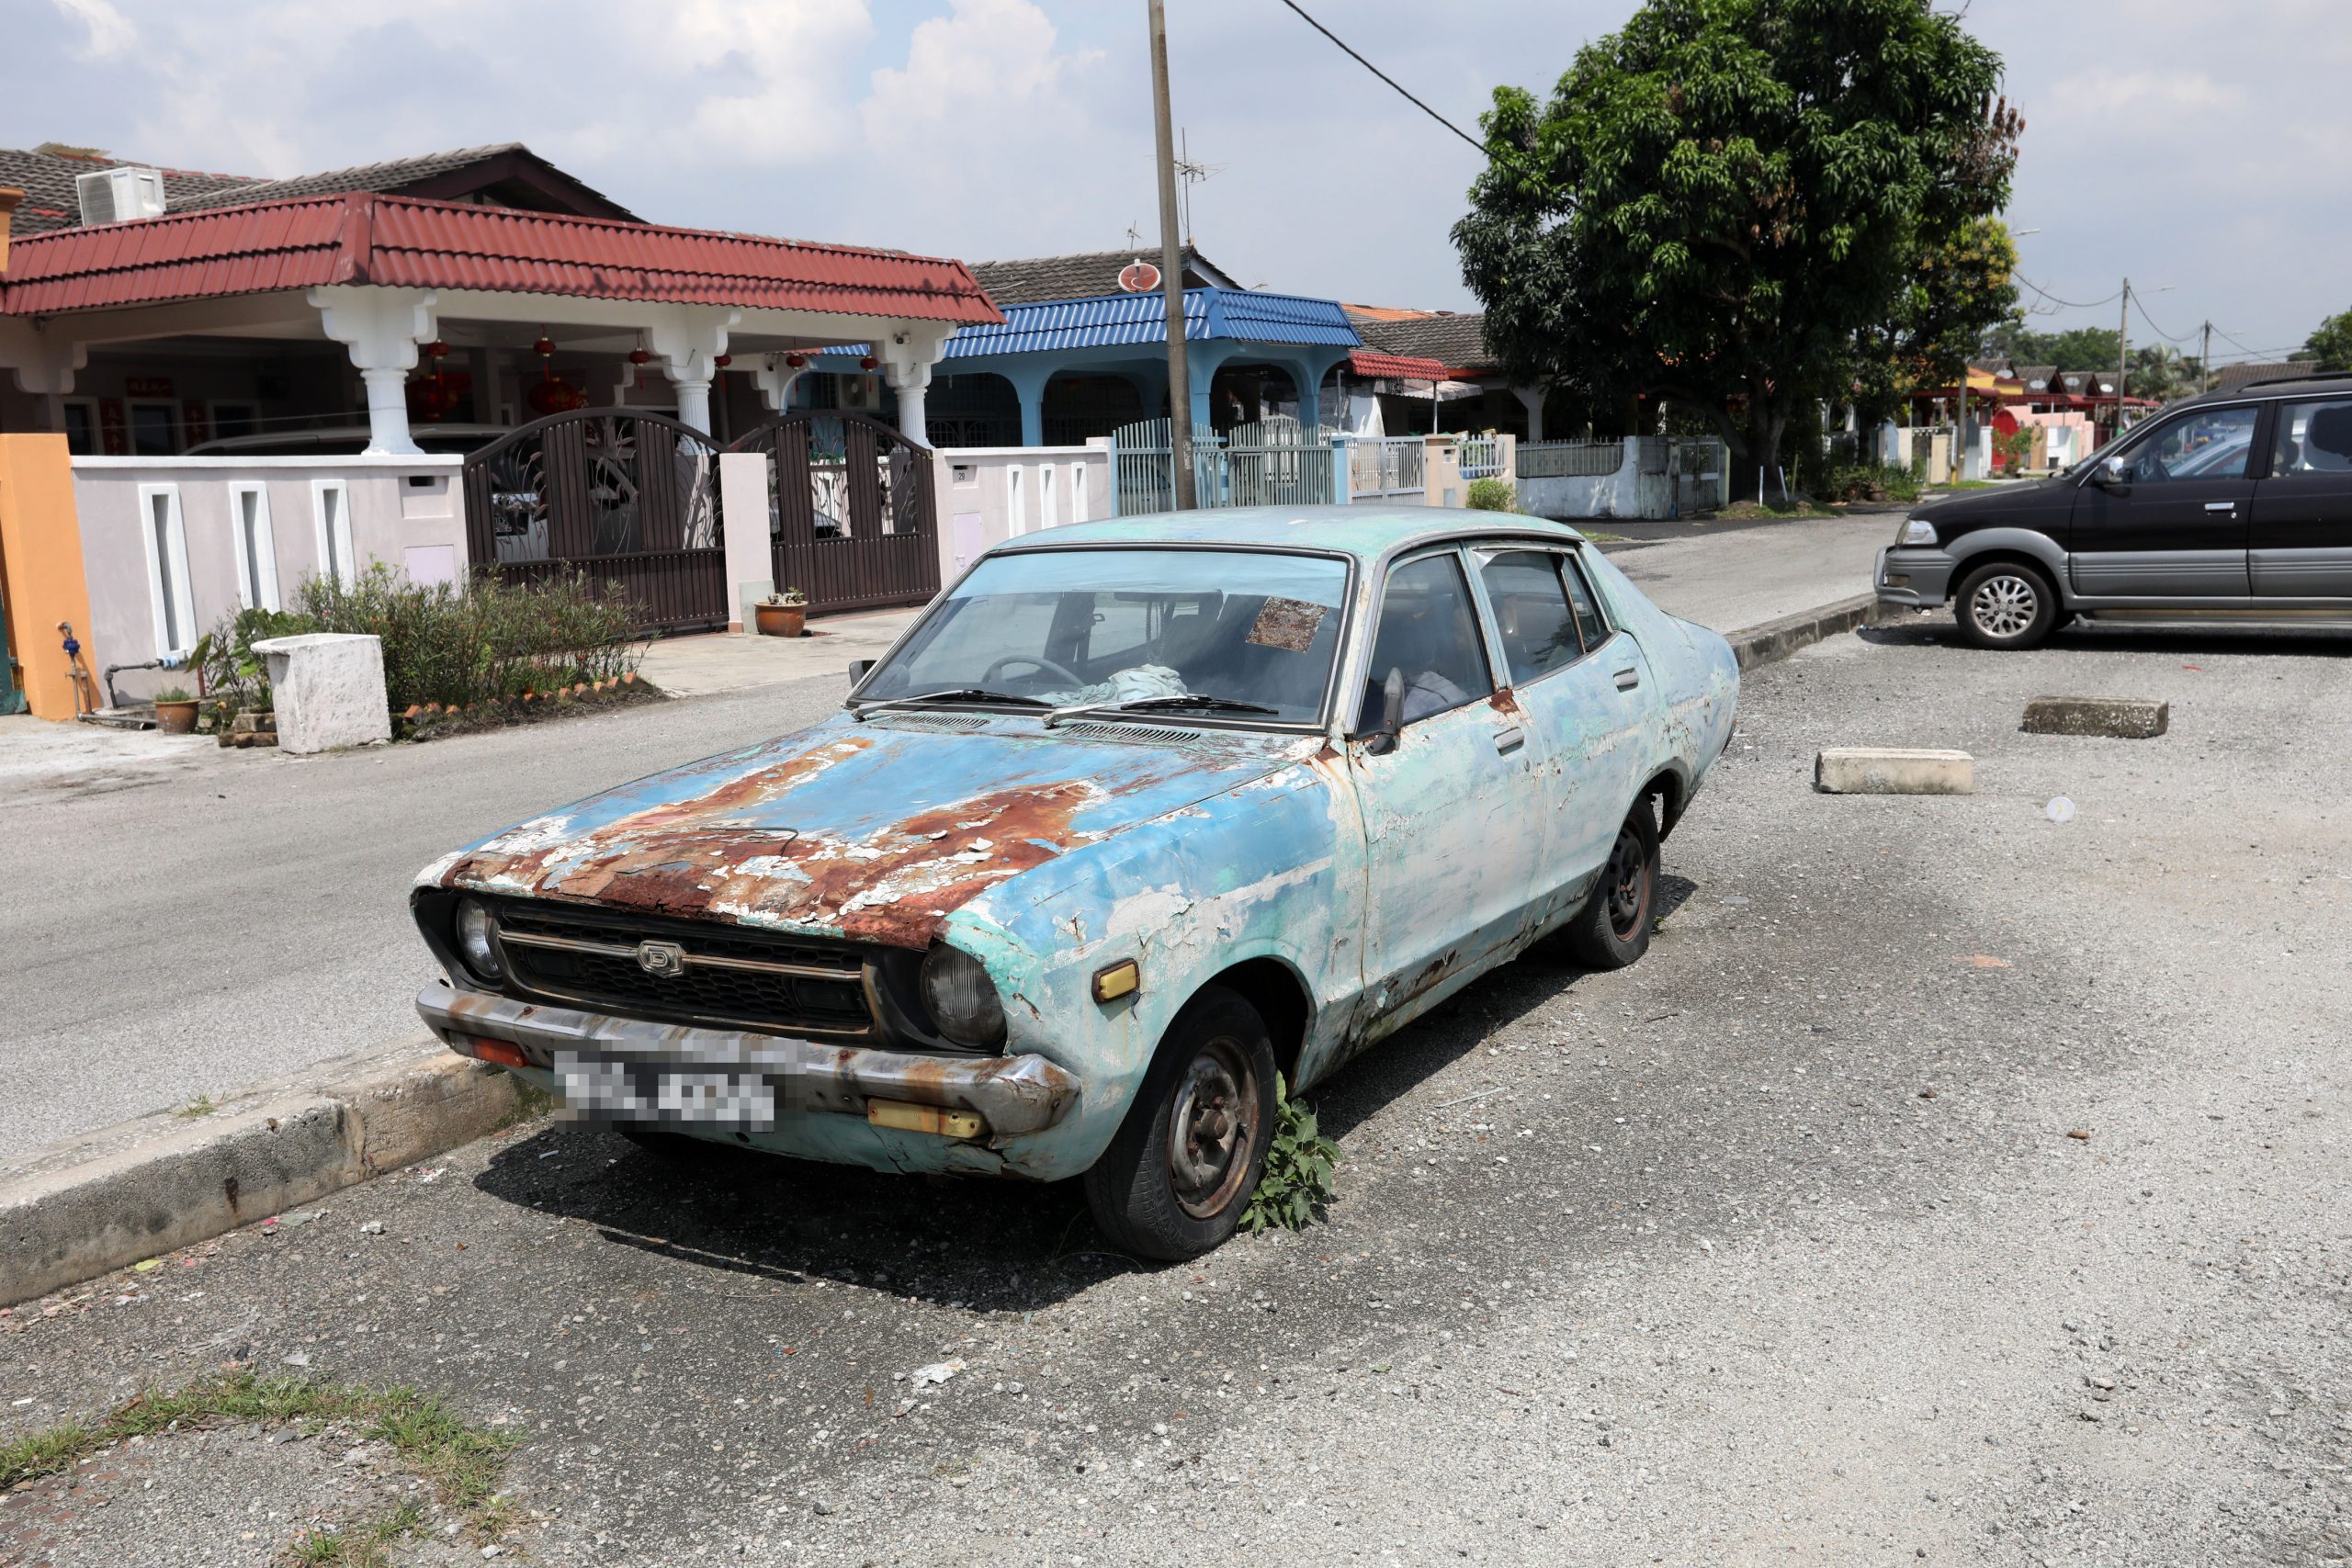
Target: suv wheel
[(2006, 604)]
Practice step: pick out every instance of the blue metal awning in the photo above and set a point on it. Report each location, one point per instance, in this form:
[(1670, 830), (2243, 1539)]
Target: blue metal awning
[(1110, 320)]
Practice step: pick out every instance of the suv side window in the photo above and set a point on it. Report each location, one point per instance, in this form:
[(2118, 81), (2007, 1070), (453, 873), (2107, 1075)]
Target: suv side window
[(1590, 620), (1428, 633), (2211, 444), (2312, 438)]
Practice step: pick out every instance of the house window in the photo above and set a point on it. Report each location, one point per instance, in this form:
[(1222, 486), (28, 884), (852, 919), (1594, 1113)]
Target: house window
[(330, 507), (256, 546), (82, 427), (166, 537), (154, 430)]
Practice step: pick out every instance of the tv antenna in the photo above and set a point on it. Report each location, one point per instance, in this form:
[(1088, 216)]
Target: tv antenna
[(1192, 173)]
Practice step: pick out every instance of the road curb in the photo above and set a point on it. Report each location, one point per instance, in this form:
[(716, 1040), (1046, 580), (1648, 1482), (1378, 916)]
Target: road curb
[(74, 1210), (1777, 639)]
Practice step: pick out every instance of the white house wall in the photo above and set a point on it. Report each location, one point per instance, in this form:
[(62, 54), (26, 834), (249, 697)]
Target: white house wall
[(974, 487), (408, 513)]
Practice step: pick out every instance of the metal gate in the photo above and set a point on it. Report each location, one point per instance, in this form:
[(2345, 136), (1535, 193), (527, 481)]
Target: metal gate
[(624, 496), (852, 521)]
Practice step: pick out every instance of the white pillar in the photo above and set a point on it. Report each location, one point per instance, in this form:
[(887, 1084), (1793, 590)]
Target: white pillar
[(907, 358), (44, 365), (380, 328), (690, 338), (1532, 400), (773, 378)]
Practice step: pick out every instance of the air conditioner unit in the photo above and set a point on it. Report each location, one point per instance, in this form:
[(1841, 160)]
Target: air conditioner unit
[(120, 194)]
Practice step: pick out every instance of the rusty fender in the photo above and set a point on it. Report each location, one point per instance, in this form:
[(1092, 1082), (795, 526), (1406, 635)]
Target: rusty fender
[(1015, 1095)]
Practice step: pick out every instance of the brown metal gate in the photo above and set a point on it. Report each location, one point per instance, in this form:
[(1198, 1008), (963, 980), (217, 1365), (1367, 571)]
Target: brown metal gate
[(851, 522), (620, 495)]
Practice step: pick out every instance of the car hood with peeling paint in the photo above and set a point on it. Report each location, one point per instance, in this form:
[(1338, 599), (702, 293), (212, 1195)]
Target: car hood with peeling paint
[(856, 828)]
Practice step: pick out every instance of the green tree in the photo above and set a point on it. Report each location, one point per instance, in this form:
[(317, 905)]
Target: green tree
[(1957, 286), (2077, 348), (1724, 201), (2331, 346)]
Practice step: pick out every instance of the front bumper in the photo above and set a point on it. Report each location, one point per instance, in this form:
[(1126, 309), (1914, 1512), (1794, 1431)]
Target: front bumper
[(1913, 575), (1013, 1096)]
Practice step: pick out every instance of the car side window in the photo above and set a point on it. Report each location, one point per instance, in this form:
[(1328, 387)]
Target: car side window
[(1531, 612), (1428, 634), (2211, 444), (2312, 438), (1590, 622)]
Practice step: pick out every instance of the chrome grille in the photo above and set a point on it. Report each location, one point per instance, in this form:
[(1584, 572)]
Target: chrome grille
[(693, 974)]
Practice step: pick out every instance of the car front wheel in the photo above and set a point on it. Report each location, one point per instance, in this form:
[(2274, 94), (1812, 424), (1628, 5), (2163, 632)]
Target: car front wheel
[(1175, 1180), (2006, 604)]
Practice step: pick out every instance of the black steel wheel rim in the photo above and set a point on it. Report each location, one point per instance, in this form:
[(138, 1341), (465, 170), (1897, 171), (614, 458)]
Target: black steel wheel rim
[(1212, 1128), (1628, 884)]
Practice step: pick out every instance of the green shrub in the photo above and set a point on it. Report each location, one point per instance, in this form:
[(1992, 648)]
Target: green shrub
[(1493, 495), (442, 644), (1870, 481), (1297, 1181)]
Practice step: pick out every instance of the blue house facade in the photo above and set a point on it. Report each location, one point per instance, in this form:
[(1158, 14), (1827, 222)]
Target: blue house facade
[(1066, 366)]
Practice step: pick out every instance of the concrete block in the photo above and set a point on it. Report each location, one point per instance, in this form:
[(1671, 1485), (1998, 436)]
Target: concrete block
[(1883, 770), (329, 690), (2121, 718)]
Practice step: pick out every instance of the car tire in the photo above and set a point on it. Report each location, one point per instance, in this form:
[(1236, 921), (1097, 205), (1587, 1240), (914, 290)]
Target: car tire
[(1613, 930), (1176, 1179), (2006, 604)]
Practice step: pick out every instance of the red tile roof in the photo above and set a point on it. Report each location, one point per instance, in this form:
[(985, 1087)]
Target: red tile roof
[(363, 237), (1395, 366)]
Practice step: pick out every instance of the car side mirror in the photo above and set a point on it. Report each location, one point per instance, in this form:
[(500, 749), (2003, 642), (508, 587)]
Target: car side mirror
[(2111, 475), (1392, 716), (857, 669)]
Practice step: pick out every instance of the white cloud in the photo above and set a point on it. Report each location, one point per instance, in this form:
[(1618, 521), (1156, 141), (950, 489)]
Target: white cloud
[(109, 33)]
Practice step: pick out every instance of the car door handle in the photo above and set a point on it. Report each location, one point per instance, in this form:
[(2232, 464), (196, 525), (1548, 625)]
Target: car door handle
[(1627, 679), (2221, 506), (1510, 739)]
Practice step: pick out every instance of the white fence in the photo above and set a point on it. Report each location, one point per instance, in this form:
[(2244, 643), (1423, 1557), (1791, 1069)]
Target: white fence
[(1393, 468), (1482, 457)]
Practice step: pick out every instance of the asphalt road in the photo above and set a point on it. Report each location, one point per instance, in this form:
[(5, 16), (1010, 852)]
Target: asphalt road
[(177, 920), (1948, 1183)]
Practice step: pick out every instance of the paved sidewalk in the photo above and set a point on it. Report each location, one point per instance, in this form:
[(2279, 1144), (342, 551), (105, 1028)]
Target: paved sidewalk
[(1757, 574), (737, 661)]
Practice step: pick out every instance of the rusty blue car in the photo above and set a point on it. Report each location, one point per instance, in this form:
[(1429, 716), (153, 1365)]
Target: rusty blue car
[(1137, 816)]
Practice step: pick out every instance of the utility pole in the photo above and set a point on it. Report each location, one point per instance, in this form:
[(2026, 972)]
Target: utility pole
[(2205, 361), (2122, 351), (1172, 270)]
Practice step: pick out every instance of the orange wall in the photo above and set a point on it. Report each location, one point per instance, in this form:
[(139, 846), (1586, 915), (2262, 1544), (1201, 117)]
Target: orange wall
[(41, 568)]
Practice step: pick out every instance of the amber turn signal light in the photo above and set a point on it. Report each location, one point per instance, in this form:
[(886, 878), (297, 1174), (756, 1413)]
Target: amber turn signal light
[(504, 1052), (1119, 979), (908, 1117)]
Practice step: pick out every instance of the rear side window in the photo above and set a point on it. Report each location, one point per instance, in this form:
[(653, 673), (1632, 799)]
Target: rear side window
[(1590, 620), (1539, 629), (2313, 438)]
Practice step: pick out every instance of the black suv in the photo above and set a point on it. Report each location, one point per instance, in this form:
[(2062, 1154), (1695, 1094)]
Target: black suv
[(2232, 505)]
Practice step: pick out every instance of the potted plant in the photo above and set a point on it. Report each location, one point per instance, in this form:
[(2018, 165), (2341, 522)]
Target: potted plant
[(781, 615), (176, 711)]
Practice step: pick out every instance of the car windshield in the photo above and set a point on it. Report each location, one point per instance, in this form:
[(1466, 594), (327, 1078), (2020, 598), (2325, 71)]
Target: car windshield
[(1120, 625)]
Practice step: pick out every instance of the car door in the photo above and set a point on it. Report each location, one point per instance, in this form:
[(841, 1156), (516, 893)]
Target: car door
[(1449, 814), (1580, 684), (2299, 545), (2172, 523)]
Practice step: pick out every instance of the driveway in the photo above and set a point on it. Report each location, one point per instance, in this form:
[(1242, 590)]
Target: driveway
[(1949, 1183)]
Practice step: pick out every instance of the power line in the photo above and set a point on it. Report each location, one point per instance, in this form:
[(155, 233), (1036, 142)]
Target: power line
[(2152, 324), (1384, 75), (2070, 304)]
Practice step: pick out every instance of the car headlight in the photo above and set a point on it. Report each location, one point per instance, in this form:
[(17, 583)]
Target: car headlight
[(961, 997), (1916, 531), (475, 942)]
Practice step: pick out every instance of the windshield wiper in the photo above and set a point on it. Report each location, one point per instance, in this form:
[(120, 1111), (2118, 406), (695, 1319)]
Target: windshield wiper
[(952, 694), (1175, 700)]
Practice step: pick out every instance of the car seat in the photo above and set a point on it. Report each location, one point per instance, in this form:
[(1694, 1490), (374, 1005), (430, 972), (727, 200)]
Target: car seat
[(2328, 439)]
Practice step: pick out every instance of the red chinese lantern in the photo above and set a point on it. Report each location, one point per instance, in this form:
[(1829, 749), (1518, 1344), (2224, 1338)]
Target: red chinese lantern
[(552, 396), (639, 356), (543, 347), (797, 361), (721, 361), (431, 401), (868, 362)]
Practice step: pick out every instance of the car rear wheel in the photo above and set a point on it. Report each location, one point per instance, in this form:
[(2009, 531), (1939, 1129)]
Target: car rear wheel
[(2006, 604), (1175, 1180), (1613, 930)]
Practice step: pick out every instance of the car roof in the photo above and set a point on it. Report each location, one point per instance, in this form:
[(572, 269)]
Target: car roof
[(2325, 384), (1365, 531)]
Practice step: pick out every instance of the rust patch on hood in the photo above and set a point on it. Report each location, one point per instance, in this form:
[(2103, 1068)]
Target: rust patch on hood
[(703, 856)]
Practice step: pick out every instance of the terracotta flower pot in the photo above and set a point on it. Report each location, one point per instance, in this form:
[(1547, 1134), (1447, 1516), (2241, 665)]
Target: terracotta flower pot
[(176, 718), (780, 620)]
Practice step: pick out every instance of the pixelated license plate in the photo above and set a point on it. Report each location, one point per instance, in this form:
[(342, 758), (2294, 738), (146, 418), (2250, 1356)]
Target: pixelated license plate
[(646, 1092)]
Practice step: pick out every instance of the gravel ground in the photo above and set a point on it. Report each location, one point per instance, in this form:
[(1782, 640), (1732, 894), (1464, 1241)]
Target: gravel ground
[(1948, 1182)]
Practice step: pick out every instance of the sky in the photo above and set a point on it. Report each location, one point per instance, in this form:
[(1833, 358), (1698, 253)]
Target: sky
[(2204, 149)]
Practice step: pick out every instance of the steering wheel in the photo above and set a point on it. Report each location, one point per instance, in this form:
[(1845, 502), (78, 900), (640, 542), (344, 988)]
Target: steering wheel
[(989, 677)]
